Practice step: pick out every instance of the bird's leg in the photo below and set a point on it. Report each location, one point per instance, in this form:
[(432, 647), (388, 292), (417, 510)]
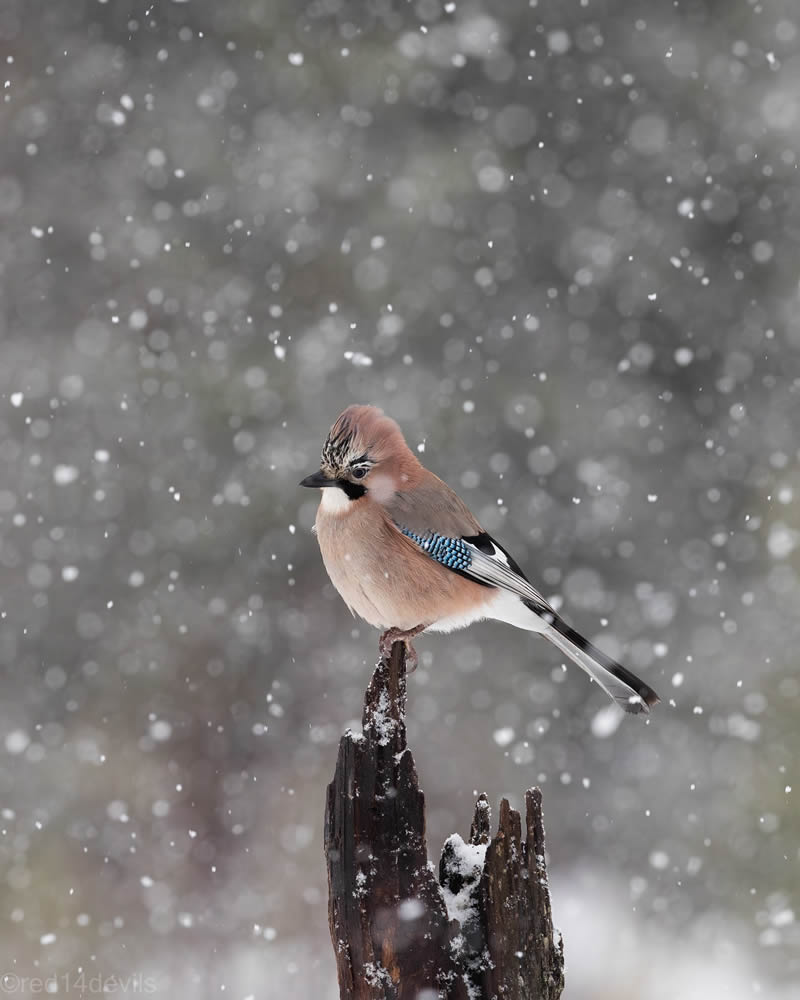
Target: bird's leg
[(392, 635)]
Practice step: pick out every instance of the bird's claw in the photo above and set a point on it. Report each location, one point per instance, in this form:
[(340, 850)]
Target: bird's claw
[(393, 635)]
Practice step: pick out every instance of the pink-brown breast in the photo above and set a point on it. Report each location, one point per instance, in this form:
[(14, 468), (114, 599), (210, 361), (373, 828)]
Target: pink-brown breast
[(382, 576)]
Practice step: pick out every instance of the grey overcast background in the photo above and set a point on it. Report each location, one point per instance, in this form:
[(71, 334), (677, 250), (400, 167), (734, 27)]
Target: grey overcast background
[(558, 241)]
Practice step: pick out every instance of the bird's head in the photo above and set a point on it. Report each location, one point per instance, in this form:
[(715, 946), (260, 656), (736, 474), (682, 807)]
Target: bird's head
[(364, 452)]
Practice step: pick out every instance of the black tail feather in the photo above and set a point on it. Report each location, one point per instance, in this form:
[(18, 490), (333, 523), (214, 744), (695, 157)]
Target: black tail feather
[(630, 680), (645, 692)]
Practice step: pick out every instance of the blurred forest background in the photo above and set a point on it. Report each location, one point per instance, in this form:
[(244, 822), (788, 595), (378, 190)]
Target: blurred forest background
[(558, 241)]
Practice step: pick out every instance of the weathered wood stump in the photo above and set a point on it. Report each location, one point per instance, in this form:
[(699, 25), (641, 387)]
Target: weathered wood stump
[(482, 931)]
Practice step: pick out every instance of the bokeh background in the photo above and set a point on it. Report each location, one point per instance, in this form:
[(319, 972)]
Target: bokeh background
[(558, 241)]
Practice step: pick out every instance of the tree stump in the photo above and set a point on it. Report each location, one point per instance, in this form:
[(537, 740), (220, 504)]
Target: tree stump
[(482, 931)]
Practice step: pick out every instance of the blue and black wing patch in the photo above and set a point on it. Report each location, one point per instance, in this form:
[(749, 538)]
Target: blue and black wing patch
[(454, 553), (480, 559)]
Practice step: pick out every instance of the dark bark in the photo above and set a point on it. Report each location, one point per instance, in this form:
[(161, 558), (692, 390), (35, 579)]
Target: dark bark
[(392, 933)]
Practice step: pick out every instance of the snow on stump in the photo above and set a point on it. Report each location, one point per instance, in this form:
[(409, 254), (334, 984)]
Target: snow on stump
[(482, 930)]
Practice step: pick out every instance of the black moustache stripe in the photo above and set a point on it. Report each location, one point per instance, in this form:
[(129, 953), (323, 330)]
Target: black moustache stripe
[(354, 491)]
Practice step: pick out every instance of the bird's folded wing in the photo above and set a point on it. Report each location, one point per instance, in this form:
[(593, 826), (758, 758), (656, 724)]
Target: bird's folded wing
[(499, 569), (440, 523), (432, 506), (481, 559)]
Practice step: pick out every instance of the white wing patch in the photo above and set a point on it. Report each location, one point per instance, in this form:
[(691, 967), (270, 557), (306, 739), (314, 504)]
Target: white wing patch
[(495, 570), (498, 553)]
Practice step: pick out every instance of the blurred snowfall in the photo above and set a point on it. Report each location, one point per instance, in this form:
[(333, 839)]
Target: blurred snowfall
[(559, 242)]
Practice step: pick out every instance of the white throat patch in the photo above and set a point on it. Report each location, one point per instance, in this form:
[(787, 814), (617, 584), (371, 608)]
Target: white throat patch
[(334, 501)]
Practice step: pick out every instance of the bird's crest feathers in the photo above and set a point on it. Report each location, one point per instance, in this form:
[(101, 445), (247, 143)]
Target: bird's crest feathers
[(365, 434)]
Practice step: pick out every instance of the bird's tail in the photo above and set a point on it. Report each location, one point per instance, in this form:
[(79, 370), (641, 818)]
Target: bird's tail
[(625, 688)]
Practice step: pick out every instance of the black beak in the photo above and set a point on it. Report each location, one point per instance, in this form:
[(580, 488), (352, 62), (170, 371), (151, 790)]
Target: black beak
[(317, 479)]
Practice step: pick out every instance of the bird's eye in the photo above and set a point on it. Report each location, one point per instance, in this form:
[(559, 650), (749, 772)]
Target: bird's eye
[(359, 472)]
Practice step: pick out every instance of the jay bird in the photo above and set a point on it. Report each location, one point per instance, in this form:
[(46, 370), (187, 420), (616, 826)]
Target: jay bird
[(405, 553)]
